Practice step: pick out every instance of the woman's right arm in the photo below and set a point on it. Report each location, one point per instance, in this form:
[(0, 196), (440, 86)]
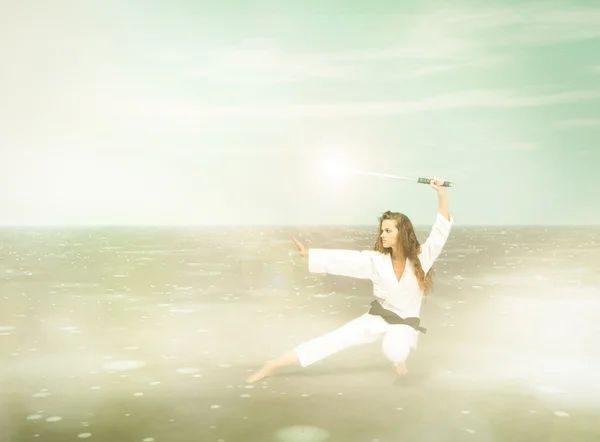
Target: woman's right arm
[(352, 263)]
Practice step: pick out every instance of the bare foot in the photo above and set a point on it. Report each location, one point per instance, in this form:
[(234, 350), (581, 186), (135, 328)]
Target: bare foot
[(266, 370), (401, 369), (269, 368)]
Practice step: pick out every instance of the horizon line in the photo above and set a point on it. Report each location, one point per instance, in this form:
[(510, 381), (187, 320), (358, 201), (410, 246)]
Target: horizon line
[(53, 226)]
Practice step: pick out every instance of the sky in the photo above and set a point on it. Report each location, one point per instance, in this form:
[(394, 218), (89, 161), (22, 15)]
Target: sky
[(151, 112)]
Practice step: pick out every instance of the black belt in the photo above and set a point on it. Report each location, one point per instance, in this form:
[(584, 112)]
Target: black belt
[(392, 318)]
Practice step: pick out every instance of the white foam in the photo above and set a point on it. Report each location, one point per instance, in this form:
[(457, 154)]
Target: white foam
[(54, 419), (34, 417), (301, 433), (124, 365), (84, 435), (187, 370)]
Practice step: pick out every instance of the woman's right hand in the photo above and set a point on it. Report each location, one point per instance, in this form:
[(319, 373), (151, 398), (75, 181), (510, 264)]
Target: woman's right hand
[(301, 248)]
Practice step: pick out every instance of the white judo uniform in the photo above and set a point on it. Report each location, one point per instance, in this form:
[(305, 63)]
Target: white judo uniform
[(403, 297)]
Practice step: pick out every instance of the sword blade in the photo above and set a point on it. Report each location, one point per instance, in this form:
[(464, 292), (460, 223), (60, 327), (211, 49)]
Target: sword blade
[(382, 175)]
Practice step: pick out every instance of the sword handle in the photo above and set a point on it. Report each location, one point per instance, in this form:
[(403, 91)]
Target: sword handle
[(429, 180)]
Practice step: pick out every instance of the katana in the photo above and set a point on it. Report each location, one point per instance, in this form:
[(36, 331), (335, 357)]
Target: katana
[(418, 180)]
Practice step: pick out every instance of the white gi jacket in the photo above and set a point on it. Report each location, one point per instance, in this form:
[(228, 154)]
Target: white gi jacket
[(402, 297)]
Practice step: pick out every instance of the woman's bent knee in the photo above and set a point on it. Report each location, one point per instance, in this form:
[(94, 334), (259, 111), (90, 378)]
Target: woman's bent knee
[(396, 352), (397, 343)]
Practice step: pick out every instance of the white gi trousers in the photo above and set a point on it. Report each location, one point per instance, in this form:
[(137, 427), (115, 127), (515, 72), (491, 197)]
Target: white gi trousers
[(398, 339)]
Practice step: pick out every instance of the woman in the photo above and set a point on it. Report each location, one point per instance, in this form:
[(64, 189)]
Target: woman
[(400, 269)]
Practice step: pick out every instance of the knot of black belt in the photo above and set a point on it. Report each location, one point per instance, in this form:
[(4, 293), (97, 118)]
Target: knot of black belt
[(392, 318)]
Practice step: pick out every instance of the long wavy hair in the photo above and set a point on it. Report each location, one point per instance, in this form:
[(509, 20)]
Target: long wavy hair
[(410, 246)]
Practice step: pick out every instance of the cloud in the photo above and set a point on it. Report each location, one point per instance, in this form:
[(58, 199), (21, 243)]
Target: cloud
[(432, 69), (525, 24), (521, 146), (423, 41), (548, 99), (189, 112), (273, 66), (515, 146), (581, 122), (269, 65), (427, 70), (455, 33), (449, 37)]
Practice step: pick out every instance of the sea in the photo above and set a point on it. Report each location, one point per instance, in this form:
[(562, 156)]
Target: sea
[(147, 334)]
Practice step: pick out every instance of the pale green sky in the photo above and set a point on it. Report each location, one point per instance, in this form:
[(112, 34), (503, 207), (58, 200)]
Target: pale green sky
[(175, 113)]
